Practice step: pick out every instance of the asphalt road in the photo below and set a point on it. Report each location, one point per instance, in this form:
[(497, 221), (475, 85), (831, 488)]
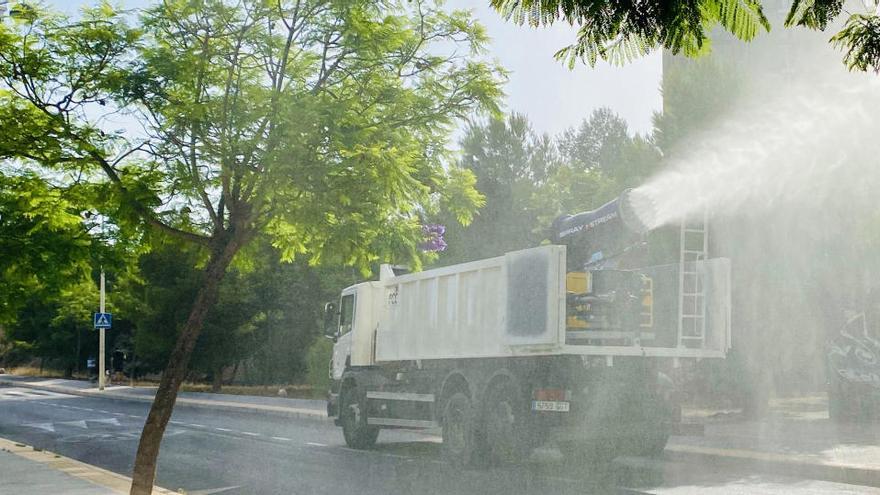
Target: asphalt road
[(223, 452)]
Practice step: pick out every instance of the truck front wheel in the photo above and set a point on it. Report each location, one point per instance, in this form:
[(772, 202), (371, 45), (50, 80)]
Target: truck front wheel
[(459, 442), (353, 416)]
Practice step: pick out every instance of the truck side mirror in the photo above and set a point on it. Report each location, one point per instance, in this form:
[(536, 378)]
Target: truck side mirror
[(331, 320)]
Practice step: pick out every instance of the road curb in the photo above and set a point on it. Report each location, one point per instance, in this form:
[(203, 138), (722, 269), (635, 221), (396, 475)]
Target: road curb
[(775, 463), (278, 411), (93, 474)]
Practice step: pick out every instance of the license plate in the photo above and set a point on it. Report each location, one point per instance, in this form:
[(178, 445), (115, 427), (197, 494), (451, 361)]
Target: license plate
[(550, 405)]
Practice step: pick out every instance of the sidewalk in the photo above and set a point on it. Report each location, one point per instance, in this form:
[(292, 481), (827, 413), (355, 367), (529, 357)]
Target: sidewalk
[(796, 438), (39, 471), (277, 406)]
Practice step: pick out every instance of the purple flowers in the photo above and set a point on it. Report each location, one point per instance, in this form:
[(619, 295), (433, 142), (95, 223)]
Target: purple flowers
[(433, 240)]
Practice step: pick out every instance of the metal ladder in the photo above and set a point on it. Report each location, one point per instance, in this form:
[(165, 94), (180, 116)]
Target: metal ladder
[(693, 248)]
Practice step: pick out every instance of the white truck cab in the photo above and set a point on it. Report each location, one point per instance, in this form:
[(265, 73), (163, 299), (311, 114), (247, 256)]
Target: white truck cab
[(352, 324)]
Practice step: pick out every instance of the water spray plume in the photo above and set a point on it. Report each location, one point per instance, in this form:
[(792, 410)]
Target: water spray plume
[(803, 146)]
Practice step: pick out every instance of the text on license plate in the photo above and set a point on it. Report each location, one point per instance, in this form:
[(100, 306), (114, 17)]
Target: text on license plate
[(550, 405)]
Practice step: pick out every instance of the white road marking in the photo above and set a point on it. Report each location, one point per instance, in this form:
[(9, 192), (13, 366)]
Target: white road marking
[(42, 426), (20, 393), (79, 424), (384, 454), (316, 444), (103, 411), (133, 416), (250, 433), (222, 429), (82, 423), (196, 426), (109, 421), (283, 439), (213, 490)]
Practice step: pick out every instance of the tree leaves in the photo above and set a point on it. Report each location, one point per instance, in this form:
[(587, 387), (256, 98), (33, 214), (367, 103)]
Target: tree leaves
[(44, 239), (860, 40), (621, 32), (814, 14), (742, 18)]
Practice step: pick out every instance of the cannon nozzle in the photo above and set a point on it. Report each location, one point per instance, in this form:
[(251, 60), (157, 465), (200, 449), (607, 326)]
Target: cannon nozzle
[(637, 211)]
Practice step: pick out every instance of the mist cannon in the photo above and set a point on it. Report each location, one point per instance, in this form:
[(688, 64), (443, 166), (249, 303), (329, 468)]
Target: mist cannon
[(607, 231)]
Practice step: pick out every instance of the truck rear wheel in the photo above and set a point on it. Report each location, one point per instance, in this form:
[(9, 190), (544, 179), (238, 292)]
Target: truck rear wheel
[(353, 416), (597, 451), (650, 445), (506, 430), (459, 432)]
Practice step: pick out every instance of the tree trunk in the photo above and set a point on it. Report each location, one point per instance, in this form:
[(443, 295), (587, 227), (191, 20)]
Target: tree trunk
[(160, 413), (217, 380), (234, 373)]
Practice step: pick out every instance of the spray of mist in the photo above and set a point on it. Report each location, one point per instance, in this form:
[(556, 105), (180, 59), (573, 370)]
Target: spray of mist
[(806, 145), (789, 179)]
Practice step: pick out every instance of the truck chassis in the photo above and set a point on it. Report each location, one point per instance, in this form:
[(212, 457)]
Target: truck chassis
[(497, 410)]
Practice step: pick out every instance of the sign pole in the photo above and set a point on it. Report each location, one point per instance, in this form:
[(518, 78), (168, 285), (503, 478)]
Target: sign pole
[(101, 363)]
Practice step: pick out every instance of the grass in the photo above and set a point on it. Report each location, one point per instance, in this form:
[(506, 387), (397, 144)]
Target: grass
[(35, 371), (299, 391)]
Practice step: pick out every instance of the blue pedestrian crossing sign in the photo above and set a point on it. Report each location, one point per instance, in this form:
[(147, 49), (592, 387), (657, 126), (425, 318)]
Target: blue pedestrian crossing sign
[(103, 320)]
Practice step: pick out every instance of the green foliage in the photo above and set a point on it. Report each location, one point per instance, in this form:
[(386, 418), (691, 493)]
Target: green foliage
[(619, 32), (860, 40), (528, 179), (507, 160), (695, 94), (266, 316), (318, 362), (812, 13), (44, 240), (603, 143), (336, 145), (320, 125)]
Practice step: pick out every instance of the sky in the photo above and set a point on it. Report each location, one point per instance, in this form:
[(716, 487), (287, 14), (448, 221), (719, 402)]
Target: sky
[(555, 97), (552, 96)]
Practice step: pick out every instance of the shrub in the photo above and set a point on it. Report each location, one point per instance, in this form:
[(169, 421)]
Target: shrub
[(318, 364)]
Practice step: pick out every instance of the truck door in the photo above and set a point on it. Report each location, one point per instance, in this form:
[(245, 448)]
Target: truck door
[(342, 347)]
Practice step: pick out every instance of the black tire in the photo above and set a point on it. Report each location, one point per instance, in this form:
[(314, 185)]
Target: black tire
[(459, 431), (353, 417), (597, 451), (505, 416), (651, 445)]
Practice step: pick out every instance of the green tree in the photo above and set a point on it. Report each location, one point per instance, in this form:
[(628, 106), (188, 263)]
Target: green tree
[(529, 179), (509, 160), (619, 32), (44, 240), (48, 249), (696, 93), (322, 124), (603, 143)]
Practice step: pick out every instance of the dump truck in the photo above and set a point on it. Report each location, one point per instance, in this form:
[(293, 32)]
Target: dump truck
[(568, 343)]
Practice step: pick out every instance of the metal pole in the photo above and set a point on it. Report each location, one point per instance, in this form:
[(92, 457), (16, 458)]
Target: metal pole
[(101, 363)]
